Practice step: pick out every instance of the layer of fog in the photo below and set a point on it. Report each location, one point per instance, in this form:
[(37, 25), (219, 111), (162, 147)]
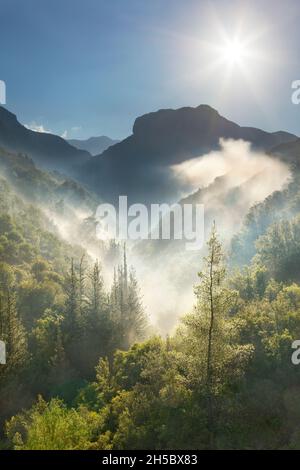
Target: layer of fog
[(231, 180), (239, 162)]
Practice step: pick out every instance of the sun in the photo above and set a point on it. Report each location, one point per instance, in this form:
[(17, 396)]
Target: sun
[(233, 52)]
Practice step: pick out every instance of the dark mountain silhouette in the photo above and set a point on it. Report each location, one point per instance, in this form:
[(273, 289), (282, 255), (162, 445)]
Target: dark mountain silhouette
[(93, 145), (47, 150), (139, 166)]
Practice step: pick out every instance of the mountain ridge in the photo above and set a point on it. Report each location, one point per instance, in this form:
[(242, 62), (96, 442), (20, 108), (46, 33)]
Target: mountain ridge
[(139, 166), (48, 151)]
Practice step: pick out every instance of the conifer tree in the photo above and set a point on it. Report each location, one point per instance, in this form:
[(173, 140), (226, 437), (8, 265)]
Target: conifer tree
[(12, 332), (72, 297), (82, 286), (72, 326), (210, 301), (211, 342), (96, 295)]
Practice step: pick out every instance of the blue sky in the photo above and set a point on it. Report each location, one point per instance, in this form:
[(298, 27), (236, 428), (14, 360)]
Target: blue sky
[(90, 67)]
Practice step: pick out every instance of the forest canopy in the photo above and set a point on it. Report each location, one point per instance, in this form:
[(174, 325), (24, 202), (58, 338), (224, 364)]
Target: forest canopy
[(85, 370)]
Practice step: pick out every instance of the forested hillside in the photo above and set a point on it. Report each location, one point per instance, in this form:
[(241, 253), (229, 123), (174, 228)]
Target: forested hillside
[(79, 376), (56, 317)]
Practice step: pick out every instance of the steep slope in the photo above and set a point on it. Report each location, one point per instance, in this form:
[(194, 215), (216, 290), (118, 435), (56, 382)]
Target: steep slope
[(93, 145), (47, 150), (139, 165), (36, 185), (62, 200)]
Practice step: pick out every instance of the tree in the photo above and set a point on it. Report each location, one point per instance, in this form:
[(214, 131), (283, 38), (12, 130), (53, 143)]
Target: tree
[(210, 296), (71, 288), (72, 325), (97, 329), (96, 297), (209, 338), (279, 250), (137, 319), (12, 331), (52, 426), (127, 307), (82, 286)]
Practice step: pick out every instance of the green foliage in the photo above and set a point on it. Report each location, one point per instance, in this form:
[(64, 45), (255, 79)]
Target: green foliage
[(279, 207), (52, 426), (56, 317), (279, 250)]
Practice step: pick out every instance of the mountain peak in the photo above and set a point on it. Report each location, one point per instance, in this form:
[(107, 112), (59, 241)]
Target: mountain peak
[(165, 119), (206, 108)]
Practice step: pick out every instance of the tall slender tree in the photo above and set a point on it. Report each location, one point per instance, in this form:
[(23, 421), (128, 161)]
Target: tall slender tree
[(210, 297)]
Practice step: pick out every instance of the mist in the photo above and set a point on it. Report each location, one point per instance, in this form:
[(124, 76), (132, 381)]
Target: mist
[(228, 182), (239, 162)]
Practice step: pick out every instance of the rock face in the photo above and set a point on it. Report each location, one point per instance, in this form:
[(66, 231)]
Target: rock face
[(47, 150), (139, 166)]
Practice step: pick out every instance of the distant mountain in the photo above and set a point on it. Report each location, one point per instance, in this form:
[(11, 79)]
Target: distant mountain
[(47, 150), (139, 166), (93, 145)]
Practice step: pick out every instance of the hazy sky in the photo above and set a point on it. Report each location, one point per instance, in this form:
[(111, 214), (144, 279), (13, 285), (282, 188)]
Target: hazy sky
[(89, 67)]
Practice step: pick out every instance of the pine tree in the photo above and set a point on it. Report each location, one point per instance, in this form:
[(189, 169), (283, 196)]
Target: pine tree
[(126, 306), (210, 300), (137, 320), (72, 297), (72, 326), (212, 338), (82, 286), (97, 334), (12, 332), (96, 295)]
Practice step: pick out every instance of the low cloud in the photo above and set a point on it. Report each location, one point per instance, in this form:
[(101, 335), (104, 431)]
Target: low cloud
[(37, 128), (239, 162), (40, 128)]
